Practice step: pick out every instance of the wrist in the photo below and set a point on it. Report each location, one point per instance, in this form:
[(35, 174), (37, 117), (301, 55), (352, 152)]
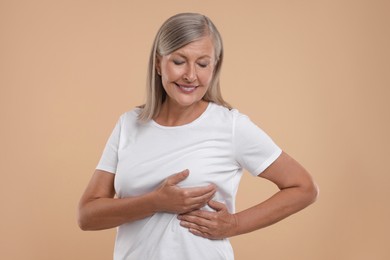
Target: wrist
[(152, 200), (234, 230)]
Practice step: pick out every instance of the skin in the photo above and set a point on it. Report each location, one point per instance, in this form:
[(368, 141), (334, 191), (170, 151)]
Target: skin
[(191, 67), (98, 209), (186, 74), (297, 191)]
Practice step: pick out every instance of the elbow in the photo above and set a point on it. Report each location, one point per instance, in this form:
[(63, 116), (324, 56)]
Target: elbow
[(82, 225), (82, 221), (312, 192), (87, 221)]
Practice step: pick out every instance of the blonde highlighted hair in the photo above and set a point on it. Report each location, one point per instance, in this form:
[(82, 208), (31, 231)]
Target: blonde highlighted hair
[(176, 32)]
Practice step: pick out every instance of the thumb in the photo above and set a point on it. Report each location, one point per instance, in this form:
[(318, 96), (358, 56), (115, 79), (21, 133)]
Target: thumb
[(178, 177), (217, 206)]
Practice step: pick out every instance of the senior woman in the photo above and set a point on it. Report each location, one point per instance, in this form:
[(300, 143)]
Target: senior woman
[(170, 171)]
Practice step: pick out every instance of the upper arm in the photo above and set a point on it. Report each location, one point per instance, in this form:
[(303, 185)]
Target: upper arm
[(285, 172), (101, 185), (254, 148)]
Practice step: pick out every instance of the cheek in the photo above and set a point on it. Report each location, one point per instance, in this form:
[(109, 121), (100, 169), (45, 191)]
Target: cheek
[(171, 73), (206, 77)]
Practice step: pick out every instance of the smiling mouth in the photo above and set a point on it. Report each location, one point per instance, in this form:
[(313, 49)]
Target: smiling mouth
[(186, 88)]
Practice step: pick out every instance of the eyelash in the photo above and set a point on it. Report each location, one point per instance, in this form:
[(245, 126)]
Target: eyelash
[(178, 62), (182, 62)]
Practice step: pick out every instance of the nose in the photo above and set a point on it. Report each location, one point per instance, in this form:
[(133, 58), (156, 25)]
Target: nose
[(190, 73)]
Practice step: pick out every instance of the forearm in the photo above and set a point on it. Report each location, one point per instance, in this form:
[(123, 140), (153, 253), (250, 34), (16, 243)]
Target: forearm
[(105, 213), (296, 191), (281, 205), (98, 209)]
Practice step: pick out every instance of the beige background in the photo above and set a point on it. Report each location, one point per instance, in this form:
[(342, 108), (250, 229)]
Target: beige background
[(313, 74)]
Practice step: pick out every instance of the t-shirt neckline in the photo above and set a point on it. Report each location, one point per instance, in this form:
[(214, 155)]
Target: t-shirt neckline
[(199, 118)]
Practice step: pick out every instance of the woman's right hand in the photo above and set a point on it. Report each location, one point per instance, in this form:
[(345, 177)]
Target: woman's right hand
[(171, 198), (98, 209)]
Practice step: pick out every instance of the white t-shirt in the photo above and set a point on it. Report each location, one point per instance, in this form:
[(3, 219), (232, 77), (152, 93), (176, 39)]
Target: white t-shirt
[(215, 147)]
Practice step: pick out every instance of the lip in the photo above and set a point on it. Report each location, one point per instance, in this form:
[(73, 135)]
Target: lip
[(185, 88)]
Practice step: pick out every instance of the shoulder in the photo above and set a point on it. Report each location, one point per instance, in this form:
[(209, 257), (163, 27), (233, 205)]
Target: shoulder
[(224, 114), (131, 114), (130, 118), (240, 123)]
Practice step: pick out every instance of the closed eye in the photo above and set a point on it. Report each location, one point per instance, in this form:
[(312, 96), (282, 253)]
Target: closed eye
[(203, 65), (178, 62)]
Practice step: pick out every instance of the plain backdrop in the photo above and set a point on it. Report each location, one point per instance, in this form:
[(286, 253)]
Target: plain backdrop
[(313, 74)]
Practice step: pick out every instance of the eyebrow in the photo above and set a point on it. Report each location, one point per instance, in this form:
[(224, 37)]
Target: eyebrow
[(185, 57)]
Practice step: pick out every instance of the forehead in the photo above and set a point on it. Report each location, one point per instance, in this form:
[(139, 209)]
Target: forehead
[(203, 47)]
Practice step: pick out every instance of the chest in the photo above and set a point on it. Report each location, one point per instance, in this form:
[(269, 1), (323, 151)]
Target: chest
[(148, 157)]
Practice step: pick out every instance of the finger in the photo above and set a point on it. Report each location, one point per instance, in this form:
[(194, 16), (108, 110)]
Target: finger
[(178, 177), (197, 214), (197, 230), (217, 206), (199, 202), (196, 223), (200, 220), (200, 234), (200, 191)]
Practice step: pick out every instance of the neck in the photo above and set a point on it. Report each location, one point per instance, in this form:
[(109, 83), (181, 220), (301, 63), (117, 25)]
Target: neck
[(176, 115)]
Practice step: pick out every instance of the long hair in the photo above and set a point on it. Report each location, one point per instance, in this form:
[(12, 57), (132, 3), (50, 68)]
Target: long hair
[(176, 32)]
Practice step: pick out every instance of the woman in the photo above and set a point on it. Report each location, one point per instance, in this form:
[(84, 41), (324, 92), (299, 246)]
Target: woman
[(175, 163)]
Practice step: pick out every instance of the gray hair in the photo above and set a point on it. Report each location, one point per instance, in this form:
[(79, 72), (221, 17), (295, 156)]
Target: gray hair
[(176, 32)]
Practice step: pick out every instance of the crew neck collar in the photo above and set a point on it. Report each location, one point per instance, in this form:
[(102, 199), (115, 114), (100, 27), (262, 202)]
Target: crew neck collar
[(199, 118)]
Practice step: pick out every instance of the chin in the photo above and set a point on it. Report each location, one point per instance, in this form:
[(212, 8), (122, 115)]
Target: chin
[(187, 102)]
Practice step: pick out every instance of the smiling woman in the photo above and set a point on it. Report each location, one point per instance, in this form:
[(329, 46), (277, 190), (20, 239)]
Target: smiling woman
[(186, 75), (175, 164), (176, 37)]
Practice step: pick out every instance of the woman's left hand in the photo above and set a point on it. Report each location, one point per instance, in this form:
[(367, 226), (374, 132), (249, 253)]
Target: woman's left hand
[(212, 225)]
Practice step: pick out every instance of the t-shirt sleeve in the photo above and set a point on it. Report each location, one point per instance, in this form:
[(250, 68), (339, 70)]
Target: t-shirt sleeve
[(109, 159), (254, 149)]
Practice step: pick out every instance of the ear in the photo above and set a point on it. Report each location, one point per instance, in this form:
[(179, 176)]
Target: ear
[(158, 64)]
